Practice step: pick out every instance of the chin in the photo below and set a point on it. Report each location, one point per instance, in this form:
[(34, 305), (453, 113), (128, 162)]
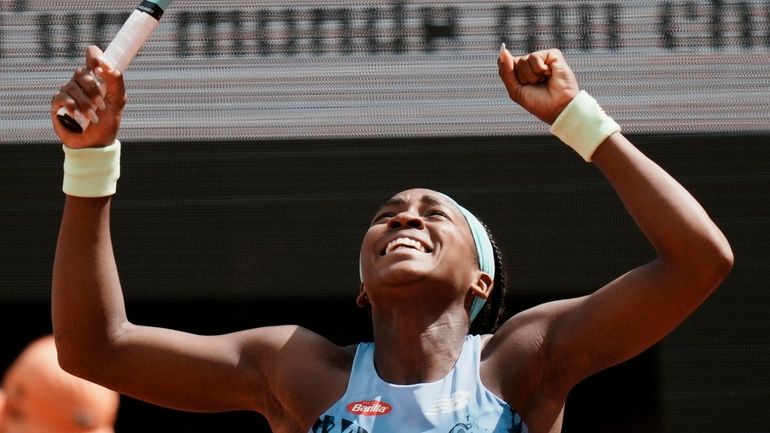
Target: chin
[(404, 274), (400, 275)]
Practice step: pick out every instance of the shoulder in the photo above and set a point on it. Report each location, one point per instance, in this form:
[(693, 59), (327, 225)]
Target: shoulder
[(515, 359), (292, 349), (522, 333), (527, 331), (292, 360)]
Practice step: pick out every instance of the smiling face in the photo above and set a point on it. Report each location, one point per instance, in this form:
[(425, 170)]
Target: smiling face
[(418, 239)]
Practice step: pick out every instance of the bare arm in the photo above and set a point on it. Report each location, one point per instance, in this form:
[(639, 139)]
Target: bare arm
[(259, 369), (95, 340), (578, 337), (639, 308)]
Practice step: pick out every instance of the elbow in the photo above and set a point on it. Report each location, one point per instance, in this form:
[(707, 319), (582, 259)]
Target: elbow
[(70, 358), (722, 257), (78, 360), (724, 260), (71, 366), (701, 265), (715, 264)]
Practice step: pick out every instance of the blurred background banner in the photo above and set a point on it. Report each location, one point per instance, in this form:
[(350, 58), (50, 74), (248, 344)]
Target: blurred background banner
[(272, 69), (260, 137)]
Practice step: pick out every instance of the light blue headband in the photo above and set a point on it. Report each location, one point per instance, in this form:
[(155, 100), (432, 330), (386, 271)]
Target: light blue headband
[(484, 250)]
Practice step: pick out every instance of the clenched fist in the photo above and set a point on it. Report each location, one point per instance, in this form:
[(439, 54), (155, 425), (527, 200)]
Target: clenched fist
[(541, 82)]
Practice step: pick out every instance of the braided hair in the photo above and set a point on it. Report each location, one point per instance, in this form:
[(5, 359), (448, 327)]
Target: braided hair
[(495, 311)]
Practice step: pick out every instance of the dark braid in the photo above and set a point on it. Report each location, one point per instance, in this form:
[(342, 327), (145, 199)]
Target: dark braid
[(494, 312)]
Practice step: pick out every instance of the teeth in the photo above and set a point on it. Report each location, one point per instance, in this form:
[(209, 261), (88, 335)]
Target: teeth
[(404, 243)]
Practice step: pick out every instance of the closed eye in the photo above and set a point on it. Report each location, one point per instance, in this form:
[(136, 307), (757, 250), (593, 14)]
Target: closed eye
[(380, 217), (435, 213)]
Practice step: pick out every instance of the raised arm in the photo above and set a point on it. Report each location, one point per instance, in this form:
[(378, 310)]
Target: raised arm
[(578, 337), (249, 370)]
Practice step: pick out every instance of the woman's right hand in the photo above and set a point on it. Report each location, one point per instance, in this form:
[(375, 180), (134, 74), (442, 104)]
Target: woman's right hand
[(104, 98)]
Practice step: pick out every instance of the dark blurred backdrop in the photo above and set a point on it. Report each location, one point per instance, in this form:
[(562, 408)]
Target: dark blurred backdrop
[(214, 237)]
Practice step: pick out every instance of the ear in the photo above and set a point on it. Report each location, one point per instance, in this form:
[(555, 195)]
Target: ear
[(482, 287), (362, 300)]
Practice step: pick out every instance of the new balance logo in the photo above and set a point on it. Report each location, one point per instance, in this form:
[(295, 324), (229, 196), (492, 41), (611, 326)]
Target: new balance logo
[(449, 403)]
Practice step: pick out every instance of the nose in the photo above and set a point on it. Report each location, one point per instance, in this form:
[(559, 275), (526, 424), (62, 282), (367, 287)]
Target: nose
[(405, 220)]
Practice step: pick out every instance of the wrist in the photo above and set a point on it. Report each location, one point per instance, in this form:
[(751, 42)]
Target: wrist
[(91, 171), (583, 125)]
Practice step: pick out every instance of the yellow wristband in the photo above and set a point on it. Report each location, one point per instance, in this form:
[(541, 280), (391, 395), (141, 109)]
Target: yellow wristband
[(91, 172), (583, 125)]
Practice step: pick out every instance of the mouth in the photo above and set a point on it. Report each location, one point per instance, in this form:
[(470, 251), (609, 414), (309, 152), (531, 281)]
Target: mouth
[(404, 243)]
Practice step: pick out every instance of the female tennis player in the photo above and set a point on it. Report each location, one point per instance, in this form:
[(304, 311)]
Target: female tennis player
[(428, 266)]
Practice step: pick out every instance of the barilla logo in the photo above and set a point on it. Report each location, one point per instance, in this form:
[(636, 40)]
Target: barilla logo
[(369, 408)]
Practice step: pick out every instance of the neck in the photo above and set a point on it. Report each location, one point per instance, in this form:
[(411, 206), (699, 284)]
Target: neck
[(411, 349)]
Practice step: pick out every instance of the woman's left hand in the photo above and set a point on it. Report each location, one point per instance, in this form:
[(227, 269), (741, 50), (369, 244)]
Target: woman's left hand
[(541, 82)]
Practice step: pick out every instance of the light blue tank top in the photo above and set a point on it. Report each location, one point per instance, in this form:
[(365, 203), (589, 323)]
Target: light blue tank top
[(458, 403)]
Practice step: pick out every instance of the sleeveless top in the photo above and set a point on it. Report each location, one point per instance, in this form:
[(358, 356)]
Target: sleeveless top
[(458, 403)]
